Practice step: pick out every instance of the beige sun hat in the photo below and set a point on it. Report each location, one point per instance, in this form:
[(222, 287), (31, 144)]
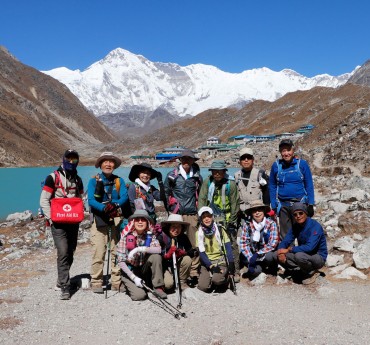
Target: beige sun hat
[(174, 219), (257, 204), (108, 156)]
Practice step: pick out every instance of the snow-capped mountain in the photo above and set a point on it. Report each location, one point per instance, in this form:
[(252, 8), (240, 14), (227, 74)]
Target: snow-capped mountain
[(124, 82)]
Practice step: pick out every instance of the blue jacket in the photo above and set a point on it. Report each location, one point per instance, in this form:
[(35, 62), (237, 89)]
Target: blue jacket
[(291, 184), (311, 238), (120, 198)]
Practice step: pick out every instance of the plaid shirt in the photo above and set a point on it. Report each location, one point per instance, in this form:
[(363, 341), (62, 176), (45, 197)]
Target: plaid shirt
[(248, 247), (122, 252)]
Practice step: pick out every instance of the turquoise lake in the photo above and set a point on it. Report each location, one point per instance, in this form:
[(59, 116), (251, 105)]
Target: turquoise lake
[(21, 187)]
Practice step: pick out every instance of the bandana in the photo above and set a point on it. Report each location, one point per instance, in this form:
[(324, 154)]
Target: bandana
[(142, 184)]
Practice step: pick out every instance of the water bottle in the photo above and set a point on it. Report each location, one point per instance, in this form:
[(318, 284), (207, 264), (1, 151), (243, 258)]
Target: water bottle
[(148, 239), (99, 190)]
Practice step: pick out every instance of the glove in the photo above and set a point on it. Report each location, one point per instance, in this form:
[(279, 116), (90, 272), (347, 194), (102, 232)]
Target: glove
[(159, 176), (271, 213), (109, 208), (231, 268), (193, 252), (231, 228), (215, 269), (253, 261), (310, 210), (180, 253), (138, 282), (168, 255)]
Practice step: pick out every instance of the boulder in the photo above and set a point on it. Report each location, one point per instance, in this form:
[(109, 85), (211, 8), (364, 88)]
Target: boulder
[(338, 207), (15, 218), (350, 272), (353, 195), (361, 256), (334, 260), (354, 222), (344, 244), (259, 280)]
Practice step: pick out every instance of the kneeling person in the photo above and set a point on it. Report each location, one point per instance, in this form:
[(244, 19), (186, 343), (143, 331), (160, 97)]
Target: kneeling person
[(174, 241), (259, 238), (139, 260), (213, 269), (310, 254)]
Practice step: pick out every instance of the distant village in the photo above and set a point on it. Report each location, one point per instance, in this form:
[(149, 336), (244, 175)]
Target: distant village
[(215, 148)]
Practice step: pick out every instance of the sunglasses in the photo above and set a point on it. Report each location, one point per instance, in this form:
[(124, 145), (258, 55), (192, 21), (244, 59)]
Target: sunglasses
[(246, 157), (259, 209), (140, 219), (298, 214), (73, 160)]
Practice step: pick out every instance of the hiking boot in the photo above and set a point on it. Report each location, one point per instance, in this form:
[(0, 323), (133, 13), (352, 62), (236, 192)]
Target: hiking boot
[(58, 287), (116, 287), (65, 294), (237, 278), (311, 278), (97, 289), (192, 281), (160, 292)]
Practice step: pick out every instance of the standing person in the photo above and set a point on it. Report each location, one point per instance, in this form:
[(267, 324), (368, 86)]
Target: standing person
[(290, 182), (62, 183), (106, 195), (252, 182), (141, 193), (213, 271), (259, 238), (182, 186), (138, 255), (174, 240), (220, 193), (310, 254)]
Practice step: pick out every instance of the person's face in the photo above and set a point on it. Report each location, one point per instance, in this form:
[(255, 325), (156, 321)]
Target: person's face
[(175, 230), (207, 218), (299, 216), (187, 162), (145, 176), (246, 162), (140, 224), (218, 175), (287, 153), (107, 167), (73, 159), (258, 214)]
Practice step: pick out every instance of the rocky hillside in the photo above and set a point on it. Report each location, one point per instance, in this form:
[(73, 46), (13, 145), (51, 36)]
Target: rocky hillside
[(40, 117), (339, 115)]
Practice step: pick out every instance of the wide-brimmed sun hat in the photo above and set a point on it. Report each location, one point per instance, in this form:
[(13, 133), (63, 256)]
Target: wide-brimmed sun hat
[(187, 153), (257, 204), (105, 156), (138, 168), (218, 165), (174, 219), (141, 214)]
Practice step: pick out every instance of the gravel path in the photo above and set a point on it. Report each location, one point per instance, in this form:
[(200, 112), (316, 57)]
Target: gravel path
[(328, 313)]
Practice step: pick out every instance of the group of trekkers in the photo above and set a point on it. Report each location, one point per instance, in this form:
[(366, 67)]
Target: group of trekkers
[(219, 229)]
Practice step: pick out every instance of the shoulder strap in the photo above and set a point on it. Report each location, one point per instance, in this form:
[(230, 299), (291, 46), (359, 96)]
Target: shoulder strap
[(58, 183)]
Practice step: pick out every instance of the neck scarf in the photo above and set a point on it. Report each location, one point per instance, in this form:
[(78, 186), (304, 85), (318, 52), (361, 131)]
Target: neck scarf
[(258, 228), (184, 174), (143, 185), (201, 234)]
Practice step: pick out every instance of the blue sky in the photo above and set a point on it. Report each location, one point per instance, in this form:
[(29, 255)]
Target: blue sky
[(310, 37)]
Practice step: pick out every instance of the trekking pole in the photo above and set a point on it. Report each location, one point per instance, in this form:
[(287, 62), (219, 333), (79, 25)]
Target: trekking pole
[(107, 276), (176, 277), (175, 311), (231, 278)]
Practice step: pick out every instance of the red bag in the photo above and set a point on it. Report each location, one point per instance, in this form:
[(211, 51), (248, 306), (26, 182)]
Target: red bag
[(67, 210)]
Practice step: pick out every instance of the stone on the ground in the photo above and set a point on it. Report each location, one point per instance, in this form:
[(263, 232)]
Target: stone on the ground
[(354, 222), (334, 260), (259, 280), (344, 244), (338, 207), (18, 217), (349, 273), (338, 269), (361, 256)]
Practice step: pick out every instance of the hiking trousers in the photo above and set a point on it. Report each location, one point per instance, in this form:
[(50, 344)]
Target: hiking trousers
[(193, 221), (303, 261), (152, 274), (65, 240), (184, 266), (207, 279), (99, 242)]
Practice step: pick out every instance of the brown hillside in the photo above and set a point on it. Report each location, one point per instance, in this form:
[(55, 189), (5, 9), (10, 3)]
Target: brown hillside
[(40, 117)]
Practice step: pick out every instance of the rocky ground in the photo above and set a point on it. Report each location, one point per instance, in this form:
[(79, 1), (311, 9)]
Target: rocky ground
[(335, 310)]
